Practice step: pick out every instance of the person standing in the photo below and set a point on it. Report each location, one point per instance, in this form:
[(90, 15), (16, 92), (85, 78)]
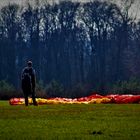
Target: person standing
[(28, 81)]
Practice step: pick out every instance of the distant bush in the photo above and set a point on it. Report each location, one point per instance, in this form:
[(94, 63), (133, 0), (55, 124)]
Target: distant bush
[(10, 94), (131, 86), (8, 91), (5, 86), (54, 89), (40, 90), (79, 90)]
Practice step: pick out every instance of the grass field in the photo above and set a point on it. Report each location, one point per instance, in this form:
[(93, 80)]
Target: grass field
[(70, 122)]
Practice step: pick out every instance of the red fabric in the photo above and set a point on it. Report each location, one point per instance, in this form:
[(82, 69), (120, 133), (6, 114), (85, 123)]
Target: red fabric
[(115, 98)]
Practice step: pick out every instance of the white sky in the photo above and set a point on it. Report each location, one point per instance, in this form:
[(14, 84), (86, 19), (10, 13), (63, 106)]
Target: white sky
[(135, 9)]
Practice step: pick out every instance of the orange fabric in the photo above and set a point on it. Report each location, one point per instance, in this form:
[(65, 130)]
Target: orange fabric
[(92, 99)]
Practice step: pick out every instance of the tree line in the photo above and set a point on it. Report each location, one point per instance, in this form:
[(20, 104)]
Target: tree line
[(92, 44)]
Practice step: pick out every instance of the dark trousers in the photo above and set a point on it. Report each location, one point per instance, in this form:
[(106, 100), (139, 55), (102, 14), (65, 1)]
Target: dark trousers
[(26, 95)]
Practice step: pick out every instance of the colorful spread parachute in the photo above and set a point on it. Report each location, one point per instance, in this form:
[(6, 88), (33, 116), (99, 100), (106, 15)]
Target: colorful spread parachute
[(92, 99)]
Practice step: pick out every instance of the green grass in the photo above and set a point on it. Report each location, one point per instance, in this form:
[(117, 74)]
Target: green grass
[(70, 122)]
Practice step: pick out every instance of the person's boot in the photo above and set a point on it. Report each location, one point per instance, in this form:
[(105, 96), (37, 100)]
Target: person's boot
[(26, 101), (35, 102)]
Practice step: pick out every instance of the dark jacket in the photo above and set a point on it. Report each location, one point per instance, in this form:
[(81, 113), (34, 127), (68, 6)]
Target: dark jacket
[(31, 72)]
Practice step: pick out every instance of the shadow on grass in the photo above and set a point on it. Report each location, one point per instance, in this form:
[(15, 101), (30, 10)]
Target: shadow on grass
[(96, 132)]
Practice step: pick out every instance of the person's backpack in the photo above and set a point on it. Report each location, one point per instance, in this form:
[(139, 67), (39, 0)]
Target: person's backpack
[(26, 79)]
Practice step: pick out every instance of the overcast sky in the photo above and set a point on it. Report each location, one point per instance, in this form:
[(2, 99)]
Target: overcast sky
[(135, 9), (3, 2)]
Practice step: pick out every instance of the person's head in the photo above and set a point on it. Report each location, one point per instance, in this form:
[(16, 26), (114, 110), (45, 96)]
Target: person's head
[(29, 63)]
